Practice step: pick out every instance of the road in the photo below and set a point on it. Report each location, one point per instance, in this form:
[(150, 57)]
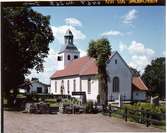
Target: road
[(18, 122)]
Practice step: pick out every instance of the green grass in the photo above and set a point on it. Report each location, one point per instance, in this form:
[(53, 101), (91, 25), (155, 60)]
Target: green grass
[(163, 127), (54, 105), (20, 96), (51, 100)]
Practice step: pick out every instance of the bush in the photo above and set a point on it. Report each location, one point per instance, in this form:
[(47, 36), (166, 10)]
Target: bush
[(146, 107), (98, 99), (89, 107), (75, 101)]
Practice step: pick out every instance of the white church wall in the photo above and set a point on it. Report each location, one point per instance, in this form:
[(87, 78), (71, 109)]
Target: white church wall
[(94, 84), (65, 61), (81, 85), (117, 68), (58, 83), (139, 95), (71, 54)]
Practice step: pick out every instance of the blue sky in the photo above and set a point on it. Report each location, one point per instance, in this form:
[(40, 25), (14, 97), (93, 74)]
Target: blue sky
[(136, 32)]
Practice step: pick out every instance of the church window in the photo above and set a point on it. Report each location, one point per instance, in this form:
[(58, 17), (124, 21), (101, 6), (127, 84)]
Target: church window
[(39, 89), (68, 57), (115, 84), (75, 57), (74, 85), (115, 61), (89, 86), (59, 58), (62, 87), (55, 86), (70, 40), (68, 87)]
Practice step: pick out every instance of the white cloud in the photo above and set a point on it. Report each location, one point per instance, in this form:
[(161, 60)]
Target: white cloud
[(73, 22), (140, 62), (130, 16), (122, 46), (112, 33), (136, 48), (140, 56), (82, 53), (139, 49), (163, 53), (60, 31)]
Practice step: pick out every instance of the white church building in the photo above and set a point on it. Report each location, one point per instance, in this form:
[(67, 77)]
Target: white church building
[(78, 74)]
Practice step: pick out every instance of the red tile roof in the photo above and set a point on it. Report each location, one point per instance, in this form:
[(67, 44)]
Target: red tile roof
[(82, 66), (87, 66), (139, 84)]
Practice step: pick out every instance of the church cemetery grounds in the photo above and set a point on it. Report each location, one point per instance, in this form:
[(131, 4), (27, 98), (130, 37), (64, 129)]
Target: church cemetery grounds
[(83, 70), (136, 117)]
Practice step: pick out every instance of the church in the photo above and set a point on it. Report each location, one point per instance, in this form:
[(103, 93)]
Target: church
[(77, 74)]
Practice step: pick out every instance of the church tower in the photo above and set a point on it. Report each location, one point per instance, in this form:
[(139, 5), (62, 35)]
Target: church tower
[(68, 52)]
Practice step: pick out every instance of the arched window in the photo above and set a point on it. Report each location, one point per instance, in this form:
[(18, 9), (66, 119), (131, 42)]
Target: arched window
[(115, 61), (62, 87), (115, 84), (70, 40), (68, 87), (68, 57), (89, 86), (56, 86), (74, 85)]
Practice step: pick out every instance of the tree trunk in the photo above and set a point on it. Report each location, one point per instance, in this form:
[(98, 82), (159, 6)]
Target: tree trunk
[(11, 97), (103, 89)]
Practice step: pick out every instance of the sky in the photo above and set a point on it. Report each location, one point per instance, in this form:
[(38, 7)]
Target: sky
[(136, 32)]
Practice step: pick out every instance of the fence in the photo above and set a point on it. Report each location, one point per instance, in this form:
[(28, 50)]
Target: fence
[(140, 116)]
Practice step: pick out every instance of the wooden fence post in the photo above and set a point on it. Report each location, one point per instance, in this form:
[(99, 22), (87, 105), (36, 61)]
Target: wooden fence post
[(110, 110), (103, 109), (126, 114), (147, 118)]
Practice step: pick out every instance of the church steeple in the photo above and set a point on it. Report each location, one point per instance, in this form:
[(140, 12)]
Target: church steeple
[(68, 52), (68, 37), (68, 40)]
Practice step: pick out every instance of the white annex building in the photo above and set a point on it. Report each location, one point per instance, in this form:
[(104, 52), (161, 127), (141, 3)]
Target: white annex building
[(78, 74)]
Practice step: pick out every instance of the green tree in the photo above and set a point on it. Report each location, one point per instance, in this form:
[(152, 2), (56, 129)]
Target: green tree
[(25, 38), (154, 77), (135, 72), (100, 50)]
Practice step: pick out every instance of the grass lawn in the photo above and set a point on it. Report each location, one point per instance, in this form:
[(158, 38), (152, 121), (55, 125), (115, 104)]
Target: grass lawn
[(118, 115)]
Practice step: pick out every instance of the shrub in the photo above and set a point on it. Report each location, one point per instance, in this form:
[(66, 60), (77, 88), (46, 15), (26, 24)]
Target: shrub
[(89, 107), (98, 99), (146, 107)]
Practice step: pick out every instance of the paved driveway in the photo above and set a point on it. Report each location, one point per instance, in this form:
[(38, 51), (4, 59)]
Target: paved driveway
[(17, 122)]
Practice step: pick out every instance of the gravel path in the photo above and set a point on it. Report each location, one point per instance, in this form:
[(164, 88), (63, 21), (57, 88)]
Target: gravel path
[(17, 122)]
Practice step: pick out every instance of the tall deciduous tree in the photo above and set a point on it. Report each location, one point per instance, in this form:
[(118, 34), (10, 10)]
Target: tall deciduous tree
[(101, 50), (25, 38), (135, 72), (154, 77)]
